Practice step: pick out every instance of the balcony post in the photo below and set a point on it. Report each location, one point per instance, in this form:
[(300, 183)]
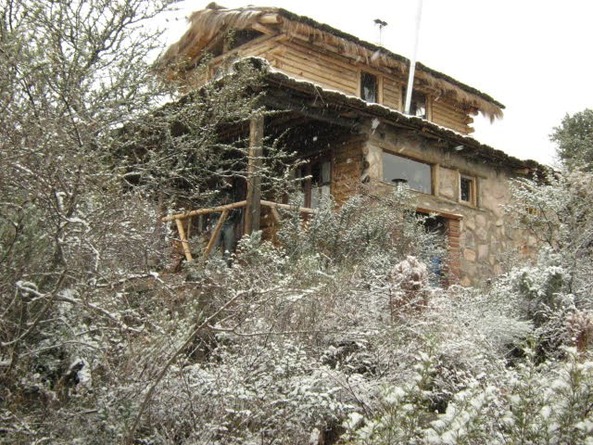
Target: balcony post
[(256, 142)]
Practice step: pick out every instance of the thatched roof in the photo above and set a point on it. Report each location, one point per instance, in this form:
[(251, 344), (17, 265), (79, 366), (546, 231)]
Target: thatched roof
[(210, 24)]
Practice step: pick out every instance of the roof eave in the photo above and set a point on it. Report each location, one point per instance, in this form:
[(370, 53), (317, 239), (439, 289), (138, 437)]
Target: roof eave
[(472, 148)]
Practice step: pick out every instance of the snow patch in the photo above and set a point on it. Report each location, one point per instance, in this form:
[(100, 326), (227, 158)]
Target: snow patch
[(374, 124)]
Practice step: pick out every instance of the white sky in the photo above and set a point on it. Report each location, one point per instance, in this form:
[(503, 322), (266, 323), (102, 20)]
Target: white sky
[(534, 56)]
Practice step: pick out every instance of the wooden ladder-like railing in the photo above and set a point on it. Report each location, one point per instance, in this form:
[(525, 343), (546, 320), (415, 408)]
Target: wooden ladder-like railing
[(224, 210)]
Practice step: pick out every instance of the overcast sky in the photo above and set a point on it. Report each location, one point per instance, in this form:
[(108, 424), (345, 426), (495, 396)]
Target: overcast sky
[(534, 56)]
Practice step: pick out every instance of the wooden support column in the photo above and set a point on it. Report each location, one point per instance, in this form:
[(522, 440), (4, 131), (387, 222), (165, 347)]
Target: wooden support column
[(256, 142)]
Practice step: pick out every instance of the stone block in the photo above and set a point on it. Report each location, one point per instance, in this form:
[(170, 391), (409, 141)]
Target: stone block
[(470, 223), (481, 220), (469, 255), (483, 251)]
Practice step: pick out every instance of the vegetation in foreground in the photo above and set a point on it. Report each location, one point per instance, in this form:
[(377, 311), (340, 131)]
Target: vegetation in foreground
[(339, 336)]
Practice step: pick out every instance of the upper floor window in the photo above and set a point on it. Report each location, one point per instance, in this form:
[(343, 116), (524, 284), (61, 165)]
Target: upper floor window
[(398, 170), (418, 104), (368, 87)]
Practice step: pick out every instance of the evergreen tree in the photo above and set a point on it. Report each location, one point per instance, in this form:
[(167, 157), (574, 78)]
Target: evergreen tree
[(574, 137)]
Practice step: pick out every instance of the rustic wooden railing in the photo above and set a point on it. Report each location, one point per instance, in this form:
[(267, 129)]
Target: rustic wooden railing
[(179, 219)]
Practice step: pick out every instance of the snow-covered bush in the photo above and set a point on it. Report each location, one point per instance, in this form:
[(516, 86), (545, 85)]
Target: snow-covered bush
[(335, 335), (368, 232)]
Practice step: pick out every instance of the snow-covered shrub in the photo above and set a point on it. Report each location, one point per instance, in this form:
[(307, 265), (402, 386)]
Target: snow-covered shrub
[(531, 404), (549, 403), (403, 409), (380, 230)]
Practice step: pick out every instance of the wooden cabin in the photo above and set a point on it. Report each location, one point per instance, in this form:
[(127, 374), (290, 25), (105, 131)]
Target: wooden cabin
[(341, 100)]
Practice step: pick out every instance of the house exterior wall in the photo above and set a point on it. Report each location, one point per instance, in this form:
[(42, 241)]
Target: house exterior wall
[(347, 167), (307, 63), (479, 235), (392, 93), (446, 114)]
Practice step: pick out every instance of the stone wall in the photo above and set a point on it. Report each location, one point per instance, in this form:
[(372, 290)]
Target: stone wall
[(480, 235)]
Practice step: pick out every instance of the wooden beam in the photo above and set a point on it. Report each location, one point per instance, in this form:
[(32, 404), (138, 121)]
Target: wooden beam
[(184, 241), (216, 233), (253, 206), (275, 215), (275, 205), (206, 211), (305, 106), (263, 29), (448, 215), (271, 19)]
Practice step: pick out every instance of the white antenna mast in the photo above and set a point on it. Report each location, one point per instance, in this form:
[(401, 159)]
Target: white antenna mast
[(413, 61), (382, 24)]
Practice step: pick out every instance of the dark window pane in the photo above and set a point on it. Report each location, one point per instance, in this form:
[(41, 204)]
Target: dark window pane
[(418, 105), (321, 183), (403, 170), (316, 184), (466, 189), (368, 87)]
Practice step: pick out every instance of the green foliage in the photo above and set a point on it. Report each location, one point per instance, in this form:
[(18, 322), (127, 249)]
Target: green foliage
[(364, 230), (574, 138)]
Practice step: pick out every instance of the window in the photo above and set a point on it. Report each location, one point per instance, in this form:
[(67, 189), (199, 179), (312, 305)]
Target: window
[(418, 107), (467, 189), (368, 87), (398, 170), (320, 182)]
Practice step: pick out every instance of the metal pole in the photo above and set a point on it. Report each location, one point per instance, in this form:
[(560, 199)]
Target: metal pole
[(413, 61)]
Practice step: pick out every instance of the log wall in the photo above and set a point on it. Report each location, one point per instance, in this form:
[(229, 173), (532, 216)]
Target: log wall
[(305, 63), (392, 93), (448, 115), (347, 167)]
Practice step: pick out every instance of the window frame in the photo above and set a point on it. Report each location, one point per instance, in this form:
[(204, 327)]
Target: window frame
[(473, 189), (427, 103), (308, 181), (431, 172), (377, 80)]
